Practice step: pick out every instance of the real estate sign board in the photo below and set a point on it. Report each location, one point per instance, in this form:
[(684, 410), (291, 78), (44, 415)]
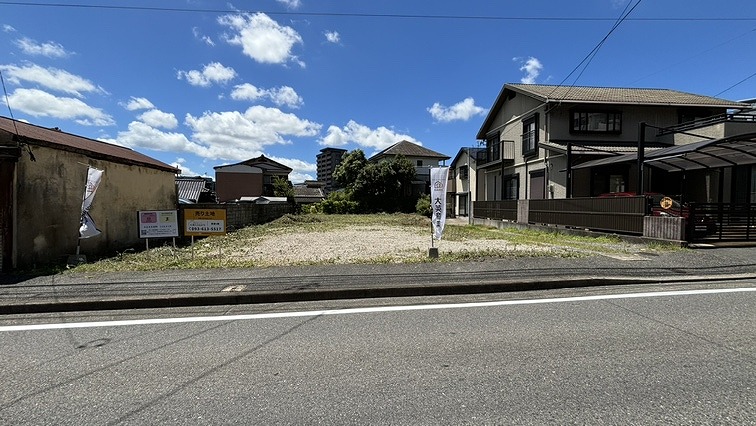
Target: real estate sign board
[(158, 223), (204, 222)]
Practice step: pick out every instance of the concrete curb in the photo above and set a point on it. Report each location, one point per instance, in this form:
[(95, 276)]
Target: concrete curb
[(304, 295)]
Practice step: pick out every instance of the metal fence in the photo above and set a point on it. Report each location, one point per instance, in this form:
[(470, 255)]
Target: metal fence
[(500, 210), (722, 222), (615, 214)]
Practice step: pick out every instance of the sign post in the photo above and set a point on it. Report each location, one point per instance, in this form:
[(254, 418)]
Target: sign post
[(204, 223), (157, 224)]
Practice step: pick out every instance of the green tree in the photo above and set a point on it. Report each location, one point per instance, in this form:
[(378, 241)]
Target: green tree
[(352, 163), (282, 188), (386, 186)]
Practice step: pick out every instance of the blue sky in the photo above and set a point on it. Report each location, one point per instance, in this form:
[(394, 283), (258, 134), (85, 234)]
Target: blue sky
[(202, 83)]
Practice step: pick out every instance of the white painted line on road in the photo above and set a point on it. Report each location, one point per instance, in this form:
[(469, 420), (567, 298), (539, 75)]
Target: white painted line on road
[(367, 310)]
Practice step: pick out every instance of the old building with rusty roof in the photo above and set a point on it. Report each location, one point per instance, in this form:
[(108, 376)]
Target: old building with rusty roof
[(43, 174)]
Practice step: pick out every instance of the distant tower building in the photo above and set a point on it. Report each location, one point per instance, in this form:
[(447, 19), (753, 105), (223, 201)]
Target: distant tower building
[(328, 159)]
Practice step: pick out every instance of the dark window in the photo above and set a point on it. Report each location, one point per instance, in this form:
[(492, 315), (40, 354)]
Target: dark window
[(530, 136), (419, 162), (462, 204), (596, 122), (511, 187), (493, 150), (463, 172)]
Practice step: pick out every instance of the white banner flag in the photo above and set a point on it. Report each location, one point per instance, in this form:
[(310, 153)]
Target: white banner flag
[(438, 177), (94, 176), (87, 227)]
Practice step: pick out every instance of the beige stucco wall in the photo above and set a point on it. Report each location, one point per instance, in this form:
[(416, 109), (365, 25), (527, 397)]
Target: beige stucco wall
[(49, 196)]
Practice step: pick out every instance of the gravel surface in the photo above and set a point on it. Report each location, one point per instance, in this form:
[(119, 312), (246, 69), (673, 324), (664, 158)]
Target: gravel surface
[(386, 244)]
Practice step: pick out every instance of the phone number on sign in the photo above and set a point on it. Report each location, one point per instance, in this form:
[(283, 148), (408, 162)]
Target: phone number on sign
[(204, 226)]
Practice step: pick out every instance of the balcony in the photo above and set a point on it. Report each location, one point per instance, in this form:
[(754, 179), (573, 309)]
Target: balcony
[(715, 127)]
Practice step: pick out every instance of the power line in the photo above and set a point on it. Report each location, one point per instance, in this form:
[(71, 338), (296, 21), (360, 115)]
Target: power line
[(589, 57), (367, 15), (736, 84)]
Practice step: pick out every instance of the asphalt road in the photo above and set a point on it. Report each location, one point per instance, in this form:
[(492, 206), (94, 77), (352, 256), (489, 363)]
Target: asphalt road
[(585, 356)]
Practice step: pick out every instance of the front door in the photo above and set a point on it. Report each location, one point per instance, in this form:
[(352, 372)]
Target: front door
[(537, 185)]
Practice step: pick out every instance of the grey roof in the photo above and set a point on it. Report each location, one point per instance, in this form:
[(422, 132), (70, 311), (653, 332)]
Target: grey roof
[(190, 188), (621, 95), (408, 149), (262, 162), (308, 194), (471, 152), (57, 139), (595, 149), (604, 95)]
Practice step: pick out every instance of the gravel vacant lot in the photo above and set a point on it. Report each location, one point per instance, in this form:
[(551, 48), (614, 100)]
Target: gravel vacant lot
[(313, 239)]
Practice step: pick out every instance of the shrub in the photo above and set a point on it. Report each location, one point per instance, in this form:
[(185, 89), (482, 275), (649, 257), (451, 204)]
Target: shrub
[(423, 206)]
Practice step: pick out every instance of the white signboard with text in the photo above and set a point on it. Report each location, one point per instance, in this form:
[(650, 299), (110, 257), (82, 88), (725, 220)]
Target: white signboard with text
[(158, 223)]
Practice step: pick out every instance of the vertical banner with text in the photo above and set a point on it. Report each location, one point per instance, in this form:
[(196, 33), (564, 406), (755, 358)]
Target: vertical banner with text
[(438, 178)]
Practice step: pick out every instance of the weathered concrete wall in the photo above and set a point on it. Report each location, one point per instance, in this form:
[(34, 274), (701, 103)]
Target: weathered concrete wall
[(50, 192), (244, 214)]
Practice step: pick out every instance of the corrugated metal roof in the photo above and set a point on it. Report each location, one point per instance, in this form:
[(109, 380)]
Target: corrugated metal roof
[(190, 189), (409, 149), (54, 138)]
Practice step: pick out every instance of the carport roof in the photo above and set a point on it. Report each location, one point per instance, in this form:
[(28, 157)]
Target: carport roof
[(731, 151), (735, 150)]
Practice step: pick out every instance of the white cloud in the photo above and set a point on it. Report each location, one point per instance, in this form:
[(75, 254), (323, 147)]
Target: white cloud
[(262, 38), (291, 4), (39, 103), (281, 96), (301, 170), (49, 49), (363, 136), (135, 104), (8, 29), (234, 135), (51, 78), (180, 164), (205, 39), (247, 92), (332, 36), (213, 72), (159, 119), (461, 111), (142, 135), (532, 67)]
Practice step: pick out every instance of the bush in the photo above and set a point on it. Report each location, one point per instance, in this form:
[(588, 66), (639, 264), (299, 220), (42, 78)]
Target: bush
[(423, 206), (339, 202)]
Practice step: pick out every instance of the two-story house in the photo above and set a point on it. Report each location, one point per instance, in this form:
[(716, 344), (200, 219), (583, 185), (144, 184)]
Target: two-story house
[(462, 180), (423, 158), (250, 178), (538, 136)]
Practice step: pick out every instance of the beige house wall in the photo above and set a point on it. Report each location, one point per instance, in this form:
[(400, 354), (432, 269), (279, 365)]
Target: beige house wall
[(48, 205)]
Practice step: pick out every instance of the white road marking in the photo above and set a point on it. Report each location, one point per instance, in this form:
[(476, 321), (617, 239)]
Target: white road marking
[(366, 310)]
